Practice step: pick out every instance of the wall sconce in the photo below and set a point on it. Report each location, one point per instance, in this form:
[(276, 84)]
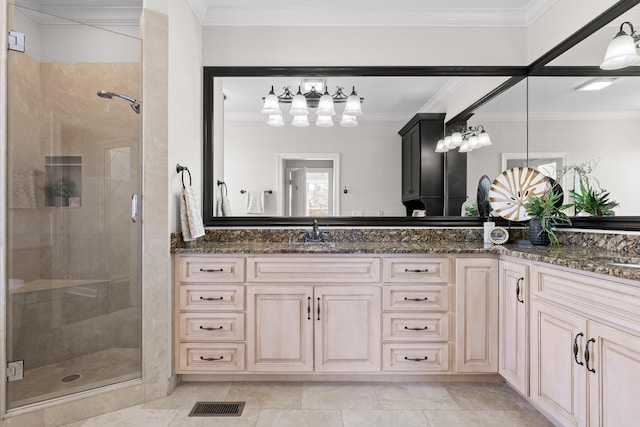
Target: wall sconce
[(313, 98), (621, 51), (467, 139)]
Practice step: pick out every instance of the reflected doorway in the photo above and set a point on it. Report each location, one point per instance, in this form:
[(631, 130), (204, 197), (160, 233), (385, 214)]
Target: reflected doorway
[(308, 185)]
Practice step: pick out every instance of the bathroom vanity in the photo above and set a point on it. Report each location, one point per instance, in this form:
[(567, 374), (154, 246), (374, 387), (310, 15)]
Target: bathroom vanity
[(561, 325)]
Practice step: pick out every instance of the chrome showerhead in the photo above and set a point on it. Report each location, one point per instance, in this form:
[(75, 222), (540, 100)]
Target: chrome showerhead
[(135, 105)]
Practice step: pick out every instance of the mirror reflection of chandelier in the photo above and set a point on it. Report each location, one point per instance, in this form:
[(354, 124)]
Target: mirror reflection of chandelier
[(314, 98), (468, 139)]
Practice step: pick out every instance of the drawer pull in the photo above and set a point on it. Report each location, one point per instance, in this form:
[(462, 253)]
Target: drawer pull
[(210, 329), (211, 359), (212, 299), (416, 299), (416, 359), (308, 308), (587, 355), (416, 329), (211, 270), (318, 308), (575, 348), (411, 270)]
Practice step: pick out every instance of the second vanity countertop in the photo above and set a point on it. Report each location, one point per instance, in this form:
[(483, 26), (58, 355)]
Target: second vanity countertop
[(579, 258)]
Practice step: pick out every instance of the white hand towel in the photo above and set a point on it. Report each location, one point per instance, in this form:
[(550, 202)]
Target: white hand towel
[(190, 217), (223, 208), (255, 201)]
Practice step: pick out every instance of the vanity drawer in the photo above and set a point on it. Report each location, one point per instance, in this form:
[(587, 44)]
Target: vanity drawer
[(415, 327), (202, 357), (422, 357), (408, 297), (313, 269), (211, 297), (418, 269), (211, 326), (208, 269)]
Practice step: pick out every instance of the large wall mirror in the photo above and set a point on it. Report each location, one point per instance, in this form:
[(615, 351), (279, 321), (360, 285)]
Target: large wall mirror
[(540, 121)]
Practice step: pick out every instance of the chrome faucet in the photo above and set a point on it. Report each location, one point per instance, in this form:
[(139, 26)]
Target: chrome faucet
[(315, 235)]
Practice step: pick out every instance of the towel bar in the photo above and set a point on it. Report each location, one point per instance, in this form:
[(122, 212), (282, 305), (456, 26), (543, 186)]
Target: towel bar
[(266, 191)]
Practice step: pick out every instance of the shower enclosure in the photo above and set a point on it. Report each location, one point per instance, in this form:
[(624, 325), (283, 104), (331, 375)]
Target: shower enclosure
[(73, 296)]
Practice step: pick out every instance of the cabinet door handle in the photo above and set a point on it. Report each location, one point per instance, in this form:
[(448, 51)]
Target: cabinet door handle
[(587, 355), (211, 299), (210, 329), (211, 270), (416, 299), (416, 329), (308, 308), (518, 290), (416, 270), (416, 359), (211, 359), (575, 348), (318, 308)]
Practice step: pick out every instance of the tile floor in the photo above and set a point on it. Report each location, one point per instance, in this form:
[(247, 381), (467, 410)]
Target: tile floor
[(300, 404)]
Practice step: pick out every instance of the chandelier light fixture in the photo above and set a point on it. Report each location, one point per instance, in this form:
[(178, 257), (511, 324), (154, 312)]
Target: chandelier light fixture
[(621, 51), (467, 140), (312, 98)]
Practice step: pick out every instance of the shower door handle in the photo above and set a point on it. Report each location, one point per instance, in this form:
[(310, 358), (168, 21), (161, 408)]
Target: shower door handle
[(134, 207)]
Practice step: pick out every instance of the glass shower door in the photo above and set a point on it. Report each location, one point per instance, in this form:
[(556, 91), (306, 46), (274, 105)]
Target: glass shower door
[(73, 316)]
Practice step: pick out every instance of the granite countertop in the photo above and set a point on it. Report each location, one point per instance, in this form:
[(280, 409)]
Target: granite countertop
[(580, 258)]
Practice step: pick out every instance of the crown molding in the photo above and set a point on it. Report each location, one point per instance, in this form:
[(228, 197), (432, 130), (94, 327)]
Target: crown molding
[(114, 14), (210, 14)]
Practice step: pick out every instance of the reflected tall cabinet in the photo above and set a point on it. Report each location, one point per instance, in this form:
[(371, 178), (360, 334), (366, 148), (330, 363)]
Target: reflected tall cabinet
[(434, 182)]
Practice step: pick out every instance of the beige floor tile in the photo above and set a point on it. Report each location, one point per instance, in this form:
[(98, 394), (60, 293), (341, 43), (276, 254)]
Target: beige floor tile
[(187, 394), (414, 396), (529, 418), (471, 418), (299, 418), (339, 396), (131, 417), (486, 396), (383, 418), (271, 395), (249, 418)]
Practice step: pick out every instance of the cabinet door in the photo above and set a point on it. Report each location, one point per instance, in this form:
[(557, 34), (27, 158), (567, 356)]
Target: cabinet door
[(614, 387), (476, 315), (411, 164), (557, 373), (279, 328), (347, 335), (512, 325)]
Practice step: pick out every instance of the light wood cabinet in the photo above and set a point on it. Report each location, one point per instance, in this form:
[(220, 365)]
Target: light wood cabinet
[(585, 348), (280, 328), (476, 334), (513, 324), (284, 322)]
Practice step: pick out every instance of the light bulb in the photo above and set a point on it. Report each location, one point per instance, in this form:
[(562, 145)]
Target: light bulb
[(348, 121), (484, 139), (275, 120), (299, 105), (324, 121), (440, 147), (353, 107), (456, 139), (271, 104), (474, 142), (325, 105), (621, 52), (300, 121)]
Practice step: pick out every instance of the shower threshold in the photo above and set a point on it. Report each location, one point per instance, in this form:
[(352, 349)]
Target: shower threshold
[(82, 373)]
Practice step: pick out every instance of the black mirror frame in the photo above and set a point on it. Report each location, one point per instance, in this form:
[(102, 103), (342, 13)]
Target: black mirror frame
[(537, 68)]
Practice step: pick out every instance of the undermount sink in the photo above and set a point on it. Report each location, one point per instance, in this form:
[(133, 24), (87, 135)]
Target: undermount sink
[(313, 244)]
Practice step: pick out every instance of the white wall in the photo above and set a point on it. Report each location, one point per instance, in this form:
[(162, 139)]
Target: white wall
[(365, 151), (185, 103)]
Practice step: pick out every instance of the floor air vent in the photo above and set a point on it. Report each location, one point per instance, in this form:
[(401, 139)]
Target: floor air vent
[(217, 409)]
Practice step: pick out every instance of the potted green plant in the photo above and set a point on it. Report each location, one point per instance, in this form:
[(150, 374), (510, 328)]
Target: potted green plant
[(590, 198), (545, 216), (58, 190)]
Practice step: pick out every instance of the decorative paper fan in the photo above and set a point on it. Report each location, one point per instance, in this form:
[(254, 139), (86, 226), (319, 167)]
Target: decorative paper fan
[(512, 188)]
